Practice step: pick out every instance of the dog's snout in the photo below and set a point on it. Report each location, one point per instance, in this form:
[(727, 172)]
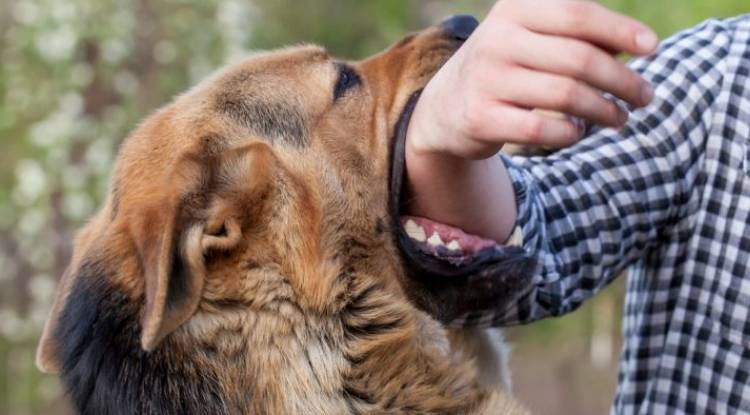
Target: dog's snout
[(460, 26)]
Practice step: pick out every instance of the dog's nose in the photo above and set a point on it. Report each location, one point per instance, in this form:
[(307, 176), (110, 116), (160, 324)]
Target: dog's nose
[(460, 26)]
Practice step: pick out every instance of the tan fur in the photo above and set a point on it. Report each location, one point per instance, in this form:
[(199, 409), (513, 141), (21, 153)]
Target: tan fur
[(292, 287)]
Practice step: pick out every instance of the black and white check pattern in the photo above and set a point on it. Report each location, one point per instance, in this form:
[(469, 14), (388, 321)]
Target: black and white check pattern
[(667, 199)]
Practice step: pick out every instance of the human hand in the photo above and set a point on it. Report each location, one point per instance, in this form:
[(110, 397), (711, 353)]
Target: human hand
[(527, 55), (531, 54)]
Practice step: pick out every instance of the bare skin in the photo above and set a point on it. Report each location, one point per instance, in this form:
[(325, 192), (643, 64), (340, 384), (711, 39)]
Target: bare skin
[(527, 55)]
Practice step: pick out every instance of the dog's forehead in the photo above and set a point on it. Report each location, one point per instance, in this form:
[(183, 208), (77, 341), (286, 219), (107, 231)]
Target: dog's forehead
[(279, 97), (269, 96), (280, 63)]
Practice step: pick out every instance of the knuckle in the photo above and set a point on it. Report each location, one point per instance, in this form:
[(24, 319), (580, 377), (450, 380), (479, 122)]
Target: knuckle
[(507, 5), (473, 118), (531, 130), (507, 31), (504, 29), (586, 61), (510, 11), (480, 50), (577, 12), (568, 95), (482, 47)]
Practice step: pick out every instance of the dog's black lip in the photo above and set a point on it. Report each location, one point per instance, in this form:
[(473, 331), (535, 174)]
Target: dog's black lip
[(492, 279)]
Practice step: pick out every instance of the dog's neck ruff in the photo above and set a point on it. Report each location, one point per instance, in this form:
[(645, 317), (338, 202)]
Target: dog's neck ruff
[(104, 369)]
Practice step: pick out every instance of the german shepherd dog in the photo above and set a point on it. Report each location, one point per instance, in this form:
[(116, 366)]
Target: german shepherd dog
[(251, 256)]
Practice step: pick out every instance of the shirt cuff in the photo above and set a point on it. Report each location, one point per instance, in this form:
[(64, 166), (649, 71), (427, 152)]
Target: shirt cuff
[(521, 188)]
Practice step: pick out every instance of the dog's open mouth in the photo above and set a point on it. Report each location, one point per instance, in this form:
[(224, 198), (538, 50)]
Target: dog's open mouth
[(445, 242), (452, 273)]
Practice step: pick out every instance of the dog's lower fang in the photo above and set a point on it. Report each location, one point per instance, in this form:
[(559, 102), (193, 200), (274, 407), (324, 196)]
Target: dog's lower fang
[(435, 240), (454, 246)]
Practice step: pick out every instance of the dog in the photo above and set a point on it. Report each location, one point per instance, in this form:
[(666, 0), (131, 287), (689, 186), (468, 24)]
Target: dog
[(251, 256)]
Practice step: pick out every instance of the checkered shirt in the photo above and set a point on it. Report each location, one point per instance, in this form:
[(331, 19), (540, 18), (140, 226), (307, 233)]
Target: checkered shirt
[(667, 198)]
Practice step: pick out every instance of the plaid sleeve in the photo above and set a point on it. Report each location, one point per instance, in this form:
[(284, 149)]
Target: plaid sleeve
[(589, 211)]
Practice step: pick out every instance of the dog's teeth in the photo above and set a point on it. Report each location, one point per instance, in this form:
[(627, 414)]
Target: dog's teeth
[(435, 240), (415, 231), (454, 246)]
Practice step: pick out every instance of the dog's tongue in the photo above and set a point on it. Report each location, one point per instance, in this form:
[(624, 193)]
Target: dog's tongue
[(427, 232)]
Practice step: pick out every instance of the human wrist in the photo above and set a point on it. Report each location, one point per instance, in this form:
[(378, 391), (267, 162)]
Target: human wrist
[(473, 195)]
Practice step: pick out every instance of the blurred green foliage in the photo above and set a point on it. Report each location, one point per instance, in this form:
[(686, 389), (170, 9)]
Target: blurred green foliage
[(669, 16), (77, 75)]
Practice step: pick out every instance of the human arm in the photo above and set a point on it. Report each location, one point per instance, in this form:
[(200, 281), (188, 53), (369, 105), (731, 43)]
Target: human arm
[(588, 212), (526, 54)]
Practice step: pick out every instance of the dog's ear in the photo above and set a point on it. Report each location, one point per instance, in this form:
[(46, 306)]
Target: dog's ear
[(168, 241), (201, 209), (156, 242), (173, 242)]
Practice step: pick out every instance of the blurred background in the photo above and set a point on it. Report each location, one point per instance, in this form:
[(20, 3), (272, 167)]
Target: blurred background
[(77, 75)]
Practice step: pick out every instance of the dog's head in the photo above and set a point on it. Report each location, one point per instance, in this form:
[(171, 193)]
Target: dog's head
[(282, 170)]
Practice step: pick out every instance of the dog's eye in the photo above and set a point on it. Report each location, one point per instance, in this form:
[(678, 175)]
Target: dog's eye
[(348, 78)]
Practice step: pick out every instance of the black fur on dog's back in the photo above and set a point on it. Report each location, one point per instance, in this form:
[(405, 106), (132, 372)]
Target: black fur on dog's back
[(106, 371)]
